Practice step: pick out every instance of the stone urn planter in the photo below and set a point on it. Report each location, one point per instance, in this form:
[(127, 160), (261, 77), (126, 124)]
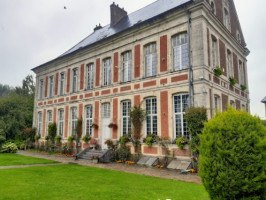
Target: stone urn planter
[(95, 161)]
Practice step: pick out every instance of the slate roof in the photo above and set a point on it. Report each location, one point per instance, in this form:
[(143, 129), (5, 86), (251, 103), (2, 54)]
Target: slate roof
[(134, 19), (263, 100)]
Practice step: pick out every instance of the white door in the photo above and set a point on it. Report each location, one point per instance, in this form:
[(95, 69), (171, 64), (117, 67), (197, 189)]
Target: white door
[(105, 122)]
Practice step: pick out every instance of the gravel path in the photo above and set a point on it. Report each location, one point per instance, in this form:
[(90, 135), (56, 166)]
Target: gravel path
[(135, 169)]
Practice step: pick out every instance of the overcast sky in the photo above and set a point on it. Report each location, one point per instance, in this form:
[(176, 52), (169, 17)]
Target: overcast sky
[(33, 32)]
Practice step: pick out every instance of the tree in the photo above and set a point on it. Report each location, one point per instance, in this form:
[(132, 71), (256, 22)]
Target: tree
[(232, 156), (29, 136), (52, 129)]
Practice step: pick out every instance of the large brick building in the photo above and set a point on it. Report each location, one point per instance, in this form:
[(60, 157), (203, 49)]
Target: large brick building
[(162, 57)]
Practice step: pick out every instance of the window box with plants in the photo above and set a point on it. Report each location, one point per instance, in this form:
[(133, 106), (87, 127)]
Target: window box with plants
[(86, 139), (151, 139), (109, 144), (95, 159), (218, 71), (181, 142), (112, 125), (232, 81), (243, 87), (94, 125), (124, 140)]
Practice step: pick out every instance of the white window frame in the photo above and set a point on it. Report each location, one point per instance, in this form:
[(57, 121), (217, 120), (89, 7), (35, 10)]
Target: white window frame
[(41, 89), (62, 84), (74, 80), (106, 110), (241, 73), (89, 120), (180, 51), (180, 105), (214, 51), (49, 120), (40, 121), (150, 51), (61, 122), (151, 105), (126, 123), (90, 76), (107, 62), (229, 63), (127, 66), (51, 86), (74, 120)]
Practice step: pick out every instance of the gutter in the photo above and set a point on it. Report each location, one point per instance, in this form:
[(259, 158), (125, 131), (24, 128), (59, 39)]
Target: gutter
[(191, 101)]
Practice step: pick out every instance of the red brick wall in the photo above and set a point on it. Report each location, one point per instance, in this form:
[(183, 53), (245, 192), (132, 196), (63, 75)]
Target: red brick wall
[(235, 60), (54, 115), (96, 118), (149, 83), (179, 78), (116, 74), (164, 114), (150, 150), (81, 87), (223, 57), (224, 102), (137, 62), (97, 78), (136, 100), (68, 80), (66, 121), (56, 84), (46, 86), (163, 53), (44, 122), (115, 116), (80, 110)]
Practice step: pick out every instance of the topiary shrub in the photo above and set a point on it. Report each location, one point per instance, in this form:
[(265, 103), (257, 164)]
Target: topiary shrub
[(232, 156)]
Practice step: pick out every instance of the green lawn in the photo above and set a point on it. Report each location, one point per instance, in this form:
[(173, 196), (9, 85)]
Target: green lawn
[(7, 159), (81, 182)]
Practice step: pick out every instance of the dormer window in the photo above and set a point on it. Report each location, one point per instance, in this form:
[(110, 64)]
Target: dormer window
[(238, 36)]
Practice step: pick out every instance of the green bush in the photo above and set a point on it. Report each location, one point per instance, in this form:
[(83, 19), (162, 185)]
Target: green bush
[(9, 148), (37, 137), (264, 122), (232, 156), (232, 81), (52, 131), (70, 138), (122, 153), (58, 139), (2, 140), (181, 142), (218, 71)]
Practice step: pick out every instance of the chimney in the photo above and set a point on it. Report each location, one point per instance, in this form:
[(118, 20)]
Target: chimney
[(117, 13)]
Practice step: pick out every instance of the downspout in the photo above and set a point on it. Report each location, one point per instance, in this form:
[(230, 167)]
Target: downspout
[(190, 103)]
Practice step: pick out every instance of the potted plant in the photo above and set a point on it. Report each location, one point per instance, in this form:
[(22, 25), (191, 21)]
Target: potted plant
[(218, 71), (93, 143), (109, 143), (243, 87), (70, 138), (124, 139), (86, 139), (232, 81), (112, 125), (94, 125), (95, 159), (151, 139), (181, 142)]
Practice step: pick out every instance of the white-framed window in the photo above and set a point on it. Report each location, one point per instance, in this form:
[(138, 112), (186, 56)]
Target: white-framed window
[(229, 63), (90, 76), (62, 84), (60, 122), (89, 120), (217, 103), (41, 89), (180, 108), (180, 51), (214, 51), (74, 119), (126, 124), (106, 112), (232, 103), (39, 123), (127, 66), (151, 119), (150, 60), (226, 19), (51, 86), (241, 73), (107, 71), (75, 80), (49, 120)]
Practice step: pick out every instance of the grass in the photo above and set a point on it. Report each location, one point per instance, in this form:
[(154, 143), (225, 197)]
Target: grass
[(81, 182), (7, 159)]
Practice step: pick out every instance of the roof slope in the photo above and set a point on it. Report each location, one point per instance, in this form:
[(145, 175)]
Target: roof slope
[(139, 16), (263, 100)]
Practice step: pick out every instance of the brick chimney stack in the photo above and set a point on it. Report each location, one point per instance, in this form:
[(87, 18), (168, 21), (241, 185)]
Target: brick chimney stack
[(117, 13)]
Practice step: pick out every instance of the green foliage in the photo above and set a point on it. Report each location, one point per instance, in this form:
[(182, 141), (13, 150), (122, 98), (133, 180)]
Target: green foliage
[(70, 138), (2, 140), (151, 139), (58, 139), (79, 128), (195, 118), (9, 148), (46, 137), (124, 139), (218, 71), (137, 116), (5, 90), (37, 137), (86, 138), (29, 136), (264, 122), (232, 156), (52, 129), (181, 142), (122, 153), (243, 87), (232, 81)]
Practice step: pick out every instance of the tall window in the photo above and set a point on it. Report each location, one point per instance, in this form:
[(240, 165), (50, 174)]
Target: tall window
[(89, 120), (74, 119), (241, 74), (61, 122), (180, 107), (180, 51), (106, 110), (151, 119), (51, 86), (107, 71), (62, 83), (217, 103), (49, 120), (127, 65), (229, 64), (226, 19), (39, 123), (150, 60), (126, 124), (232, 103), (214, 52), (74, 80), (41, 89), (90, 75)]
